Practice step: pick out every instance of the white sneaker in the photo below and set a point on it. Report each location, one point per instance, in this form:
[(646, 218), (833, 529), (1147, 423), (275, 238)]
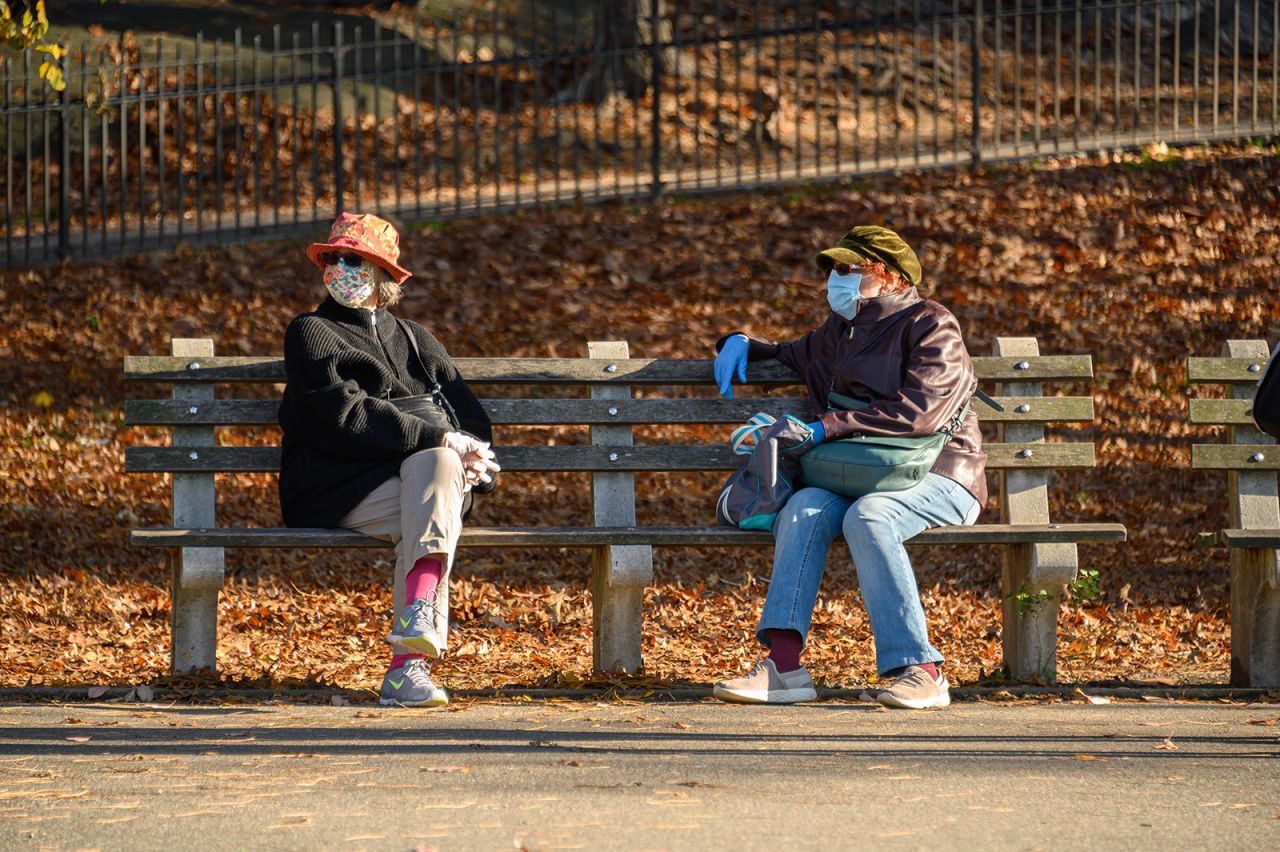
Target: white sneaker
[(764, 684), (915, 689)]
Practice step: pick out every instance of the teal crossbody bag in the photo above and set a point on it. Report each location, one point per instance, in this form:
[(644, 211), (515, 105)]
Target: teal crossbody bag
[(865, 464)]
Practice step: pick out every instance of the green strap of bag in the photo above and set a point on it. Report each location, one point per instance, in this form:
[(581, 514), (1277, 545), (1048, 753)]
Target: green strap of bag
[(866, 464)]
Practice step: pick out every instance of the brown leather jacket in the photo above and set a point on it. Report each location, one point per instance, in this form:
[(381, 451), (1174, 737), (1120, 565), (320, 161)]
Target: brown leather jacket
[(905, 356)]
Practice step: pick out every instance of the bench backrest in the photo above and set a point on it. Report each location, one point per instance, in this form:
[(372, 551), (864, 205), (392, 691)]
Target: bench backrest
[(1249, 457), (1016, 376)]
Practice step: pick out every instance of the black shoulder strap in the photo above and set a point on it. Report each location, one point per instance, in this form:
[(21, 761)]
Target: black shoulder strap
[(413, 344)]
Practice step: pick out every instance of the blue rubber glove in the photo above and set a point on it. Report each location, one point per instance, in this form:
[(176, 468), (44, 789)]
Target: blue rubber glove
[(732, 359), (819, 432)]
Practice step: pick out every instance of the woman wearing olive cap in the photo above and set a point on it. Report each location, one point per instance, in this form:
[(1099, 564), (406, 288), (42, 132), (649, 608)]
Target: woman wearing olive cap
[(902, 356)]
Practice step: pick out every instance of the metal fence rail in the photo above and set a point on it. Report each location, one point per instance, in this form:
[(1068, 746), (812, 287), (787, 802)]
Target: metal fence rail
[(210, 141)]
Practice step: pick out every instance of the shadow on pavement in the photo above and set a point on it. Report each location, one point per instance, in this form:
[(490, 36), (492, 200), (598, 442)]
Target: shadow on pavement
[(415, 740)]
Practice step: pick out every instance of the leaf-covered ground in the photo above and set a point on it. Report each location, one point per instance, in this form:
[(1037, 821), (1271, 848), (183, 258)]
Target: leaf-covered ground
[(1139, 260)]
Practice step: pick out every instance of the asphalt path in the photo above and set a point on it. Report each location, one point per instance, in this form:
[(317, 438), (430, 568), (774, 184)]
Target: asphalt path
[(640, 775)]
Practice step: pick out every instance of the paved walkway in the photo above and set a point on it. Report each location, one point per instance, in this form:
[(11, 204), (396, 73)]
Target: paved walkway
[(631, 775)]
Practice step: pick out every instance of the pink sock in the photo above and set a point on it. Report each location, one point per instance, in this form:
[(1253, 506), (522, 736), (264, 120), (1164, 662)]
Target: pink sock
[(423, 578), (398, 660), (784, 649)]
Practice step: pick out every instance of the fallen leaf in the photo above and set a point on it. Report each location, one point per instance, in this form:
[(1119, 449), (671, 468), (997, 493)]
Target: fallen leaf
[(1269, 722), (81, 739), (458, 769), (97, 691), (1090, 757), (1167, 745), (144, 693), (1093, 699), (339, 701)]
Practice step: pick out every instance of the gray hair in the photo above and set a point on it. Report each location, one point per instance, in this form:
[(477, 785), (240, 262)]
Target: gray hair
[(389, 290)]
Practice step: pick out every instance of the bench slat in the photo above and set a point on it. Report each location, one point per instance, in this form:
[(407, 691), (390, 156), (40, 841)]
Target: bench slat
[(556, 412), (634, 371), (1225, 370), (1222, 412), (1235, 457), (650, 457), (600, 536), (1241, 538)]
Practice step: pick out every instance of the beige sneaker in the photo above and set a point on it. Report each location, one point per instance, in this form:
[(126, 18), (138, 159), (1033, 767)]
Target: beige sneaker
[(915, 689), (765, 685)]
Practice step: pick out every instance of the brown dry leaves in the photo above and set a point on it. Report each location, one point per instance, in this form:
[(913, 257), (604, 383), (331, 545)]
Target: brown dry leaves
[(1139, 264)]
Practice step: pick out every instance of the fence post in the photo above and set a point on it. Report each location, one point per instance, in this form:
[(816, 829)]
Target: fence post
[(64, 180), (976, 48), (655, 133), (338, 177)]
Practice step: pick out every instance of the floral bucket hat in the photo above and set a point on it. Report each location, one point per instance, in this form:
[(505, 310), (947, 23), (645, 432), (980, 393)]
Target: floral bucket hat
[(364, 234)]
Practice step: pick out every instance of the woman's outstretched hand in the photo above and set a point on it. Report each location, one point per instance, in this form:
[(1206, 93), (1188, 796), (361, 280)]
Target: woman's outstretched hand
[(732, 359)]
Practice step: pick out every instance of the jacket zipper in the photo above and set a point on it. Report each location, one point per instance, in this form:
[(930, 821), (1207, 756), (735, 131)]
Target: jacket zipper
[(373, 329)]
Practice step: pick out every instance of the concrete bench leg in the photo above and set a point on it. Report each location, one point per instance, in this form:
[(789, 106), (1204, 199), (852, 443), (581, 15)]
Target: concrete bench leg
[(197, 571), (193, 616), (618, 574), (617, 608), (1255, 619), (1031, 638), (1253, 503)]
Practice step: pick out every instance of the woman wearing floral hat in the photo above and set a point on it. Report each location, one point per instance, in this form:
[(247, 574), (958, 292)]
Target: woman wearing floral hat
[(886, 363), (383, 436)]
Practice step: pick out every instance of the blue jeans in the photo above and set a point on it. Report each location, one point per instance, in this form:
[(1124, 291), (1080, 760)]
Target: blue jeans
[(875, 528)]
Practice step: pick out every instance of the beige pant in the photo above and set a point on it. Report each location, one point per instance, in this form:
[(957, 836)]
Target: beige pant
[(420, 512)]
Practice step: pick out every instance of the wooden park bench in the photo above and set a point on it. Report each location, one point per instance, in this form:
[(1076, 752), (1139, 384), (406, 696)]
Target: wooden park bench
[(1038, 554), (1250, 459)]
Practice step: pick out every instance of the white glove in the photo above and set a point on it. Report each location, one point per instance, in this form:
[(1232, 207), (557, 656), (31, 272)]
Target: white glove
[(478, 461)]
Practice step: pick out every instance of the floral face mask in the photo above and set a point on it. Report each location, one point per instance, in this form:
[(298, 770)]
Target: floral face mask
[(351, 280)]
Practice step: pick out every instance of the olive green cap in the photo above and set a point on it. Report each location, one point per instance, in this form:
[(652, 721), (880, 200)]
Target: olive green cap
[(872, 242)]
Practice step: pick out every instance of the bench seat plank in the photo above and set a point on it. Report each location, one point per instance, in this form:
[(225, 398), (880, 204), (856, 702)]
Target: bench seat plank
[(595, 412), (633, 371), (649, 457), (1235, 457), (601, 536), (1241, 538)]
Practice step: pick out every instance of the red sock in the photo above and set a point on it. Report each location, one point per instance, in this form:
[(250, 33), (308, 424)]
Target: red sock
[(784, 649), (398, 660), (931, 668), (423, 578)]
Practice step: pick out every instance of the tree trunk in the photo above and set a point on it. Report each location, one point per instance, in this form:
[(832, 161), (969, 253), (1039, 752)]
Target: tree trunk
[(1219, 33), (622, 49)]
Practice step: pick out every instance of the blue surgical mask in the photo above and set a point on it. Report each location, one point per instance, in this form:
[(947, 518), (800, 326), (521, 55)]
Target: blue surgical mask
[(844, 292)]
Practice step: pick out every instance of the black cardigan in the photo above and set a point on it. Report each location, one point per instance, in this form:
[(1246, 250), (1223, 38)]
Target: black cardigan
[(342, 437)]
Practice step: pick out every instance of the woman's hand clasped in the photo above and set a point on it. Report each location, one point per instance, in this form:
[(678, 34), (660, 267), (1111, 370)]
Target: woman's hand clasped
[(478, 461)]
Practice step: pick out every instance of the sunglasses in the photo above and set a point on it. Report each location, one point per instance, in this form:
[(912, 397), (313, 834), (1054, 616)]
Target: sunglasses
[(348, 259)]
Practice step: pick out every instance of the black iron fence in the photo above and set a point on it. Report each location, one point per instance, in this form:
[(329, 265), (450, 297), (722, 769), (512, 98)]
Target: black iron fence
[(213, 140)]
